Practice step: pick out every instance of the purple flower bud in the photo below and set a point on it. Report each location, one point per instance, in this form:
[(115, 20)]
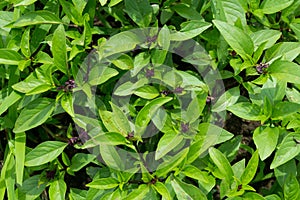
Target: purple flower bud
[(178, 90), (209, 99), (149, 73), (73, 140), (185, 127), (260, 68), (130, 135), (165, 92)]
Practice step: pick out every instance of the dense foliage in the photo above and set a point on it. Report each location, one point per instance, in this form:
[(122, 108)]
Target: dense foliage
[(150, 99)]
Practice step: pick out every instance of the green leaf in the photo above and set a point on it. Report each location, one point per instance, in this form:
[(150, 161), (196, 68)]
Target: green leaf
[(73, 14), (205, 180), (140, 11), (59, 49), (67, 104), (25, 3), (111, 157), (25, 43), (229, 11), (250, 170), (20, 144), (236, 38), (37, 17), (222, 163), (44, 153), (103, 2), (108, 138), (273, 6), (162, 190), (246, 110), (148, 111), (138, 193), (32, 86), (57, 189), (114, 2), (123, 62), (147, 92), (187, 191), (189, 30), (100, 74), (227, 99), (186, 11), (283, 109), (9, 101), (120, 120), (209, 135), (252, 195), (80, 160), (287, 150), (291, 188), (103, 183), (31, 188), (34, 114), (265, 140), (167, 143), (285, 51), (9, 57), (284, 171), (107, 119), (285, 71), (168, 165), (269, 37)]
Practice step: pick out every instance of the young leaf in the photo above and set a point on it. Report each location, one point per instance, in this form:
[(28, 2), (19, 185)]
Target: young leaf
[(189, 30), (20, 143), (250, 170), (57, 189), (25, 43), (205, 180), (167, 166), (103, 183), (167, 143), (59, 49), (236, 38), (72, 13), (34, 114), (222, 163), (147, 112), (67, 104), (138, 193), (162, 190), (227, 99), (187, 191), (120, 120), (44, 153)]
